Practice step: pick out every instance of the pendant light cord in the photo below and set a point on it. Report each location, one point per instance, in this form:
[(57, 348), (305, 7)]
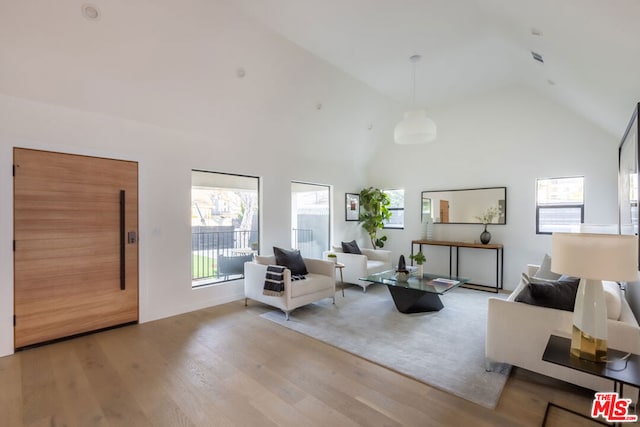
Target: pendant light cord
[(413, 97), (414, 59)]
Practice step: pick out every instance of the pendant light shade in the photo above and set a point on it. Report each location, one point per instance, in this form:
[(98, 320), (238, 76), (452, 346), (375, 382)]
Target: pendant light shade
[(415, 127)]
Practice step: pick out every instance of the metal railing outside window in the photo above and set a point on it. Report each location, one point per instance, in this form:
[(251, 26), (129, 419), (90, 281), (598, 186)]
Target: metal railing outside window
[(221, 254)]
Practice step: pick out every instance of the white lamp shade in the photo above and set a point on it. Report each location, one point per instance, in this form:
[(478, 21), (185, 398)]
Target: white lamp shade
[(415, 128), (595, 256)]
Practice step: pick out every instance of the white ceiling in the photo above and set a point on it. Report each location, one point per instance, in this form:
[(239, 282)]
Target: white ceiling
[(591, 48)]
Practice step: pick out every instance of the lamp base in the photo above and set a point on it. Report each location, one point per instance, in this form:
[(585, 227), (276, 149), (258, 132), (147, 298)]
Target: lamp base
[(587, 347), (589, 335)]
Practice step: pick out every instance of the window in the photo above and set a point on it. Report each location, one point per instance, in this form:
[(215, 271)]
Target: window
[(224, 225), (396, 197), (310, 218), (559, 204)]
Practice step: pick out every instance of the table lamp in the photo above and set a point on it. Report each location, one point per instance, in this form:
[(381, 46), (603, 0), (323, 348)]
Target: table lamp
[(593, 258)]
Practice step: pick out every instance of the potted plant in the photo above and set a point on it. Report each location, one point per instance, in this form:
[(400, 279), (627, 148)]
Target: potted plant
[(374, 212), (419, 259), (332, 257)]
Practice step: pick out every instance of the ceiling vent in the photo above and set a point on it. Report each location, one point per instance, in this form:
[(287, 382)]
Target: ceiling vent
[(537, 57)]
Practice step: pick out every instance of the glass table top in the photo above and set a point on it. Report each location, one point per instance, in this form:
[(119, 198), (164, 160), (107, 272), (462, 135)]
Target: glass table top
[(428, 283)]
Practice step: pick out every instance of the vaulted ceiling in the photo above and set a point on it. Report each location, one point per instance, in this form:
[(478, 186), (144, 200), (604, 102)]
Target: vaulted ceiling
[(590, 48)]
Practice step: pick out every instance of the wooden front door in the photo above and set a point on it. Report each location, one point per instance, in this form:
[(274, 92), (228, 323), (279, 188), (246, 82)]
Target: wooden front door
[(75, 248), (444, 211)]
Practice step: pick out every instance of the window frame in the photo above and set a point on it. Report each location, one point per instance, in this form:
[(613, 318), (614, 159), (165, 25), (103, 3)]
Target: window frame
[(330, 209), (195, 283), (392, 210), (543, 206)]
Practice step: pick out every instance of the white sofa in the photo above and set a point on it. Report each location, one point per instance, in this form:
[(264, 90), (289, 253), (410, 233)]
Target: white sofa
[(517, 334), (319, 283), (357, 266)]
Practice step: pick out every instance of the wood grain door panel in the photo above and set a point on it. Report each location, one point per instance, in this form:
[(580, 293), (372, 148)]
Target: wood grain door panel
[(67, 244), (444, 211)]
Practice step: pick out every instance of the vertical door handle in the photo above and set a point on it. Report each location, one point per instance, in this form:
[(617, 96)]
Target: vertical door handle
[(123, 283)]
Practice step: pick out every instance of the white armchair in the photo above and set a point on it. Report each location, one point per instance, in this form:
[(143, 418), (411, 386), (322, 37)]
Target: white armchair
[(319, 283), (357, 266)]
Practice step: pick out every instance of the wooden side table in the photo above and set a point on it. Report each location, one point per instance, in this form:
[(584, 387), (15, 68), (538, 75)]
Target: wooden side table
[(340, 266)]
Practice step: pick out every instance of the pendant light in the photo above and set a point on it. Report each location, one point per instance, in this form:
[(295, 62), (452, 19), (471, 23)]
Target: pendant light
[(415, 127)]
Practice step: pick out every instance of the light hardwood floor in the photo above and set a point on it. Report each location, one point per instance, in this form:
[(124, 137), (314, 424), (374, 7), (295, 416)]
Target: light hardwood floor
[(226, 366)]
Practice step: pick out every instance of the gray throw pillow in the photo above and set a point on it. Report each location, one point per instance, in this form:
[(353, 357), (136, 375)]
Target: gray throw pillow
[(559, 294), (290, 259), (351, 248), (544, 271)]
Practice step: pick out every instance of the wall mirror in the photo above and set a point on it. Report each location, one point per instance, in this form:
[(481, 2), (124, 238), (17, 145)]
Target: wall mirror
[(463, 206)]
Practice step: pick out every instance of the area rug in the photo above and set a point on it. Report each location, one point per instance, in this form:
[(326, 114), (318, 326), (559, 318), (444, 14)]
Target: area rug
[(444, 349)]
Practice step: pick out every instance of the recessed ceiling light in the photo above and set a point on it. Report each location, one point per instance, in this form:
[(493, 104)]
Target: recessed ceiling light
[(91, 12), (240, 72)]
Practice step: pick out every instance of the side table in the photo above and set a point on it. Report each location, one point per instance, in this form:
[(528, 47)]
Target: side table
[(623, 368), (340, 266)]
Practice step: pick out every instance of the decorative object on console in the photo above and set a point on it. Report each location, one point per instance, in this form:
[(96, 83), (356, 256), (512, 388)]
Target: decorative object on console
[(485, 236), (402, 273), (593, 257), (415, 127), (427, 227), (487, 218), (332, 257), (419, 258), (374, 211)]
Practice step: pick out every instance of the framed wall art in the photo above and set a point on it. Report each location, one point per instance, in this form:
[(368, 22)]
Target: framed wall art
[(352, 207)]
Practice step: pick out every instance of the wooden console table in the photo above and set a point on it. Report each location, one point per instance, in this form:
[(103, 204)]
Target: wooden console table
[(495, 246)]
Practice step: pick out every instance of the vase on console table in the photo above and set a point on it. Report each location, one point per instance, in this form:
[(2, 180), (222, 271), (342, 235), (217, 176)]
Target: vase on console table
[(427, 228), (420, 271), (485, 236)]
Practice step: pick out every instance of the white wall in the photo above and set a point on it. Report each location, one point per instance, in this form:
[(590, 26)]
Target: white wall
[(506, 138), (156, 83)]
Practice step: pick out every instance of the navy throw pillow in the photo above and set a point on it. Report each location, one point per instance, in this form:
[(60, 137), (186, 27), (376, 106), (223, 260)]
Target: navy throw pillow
[(351, 248), (290, 259), (559, 294)]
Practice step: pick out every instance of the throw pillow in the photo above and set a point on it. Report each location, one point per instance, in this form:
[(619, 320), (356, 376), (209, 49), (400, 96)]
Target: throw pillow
[(351, 248), (290, 259), (544, 271), (560, 294)]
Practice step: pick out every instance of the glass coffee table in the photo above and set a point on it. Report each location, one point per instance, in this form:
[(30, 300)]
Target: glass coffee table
[(416, 294)]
